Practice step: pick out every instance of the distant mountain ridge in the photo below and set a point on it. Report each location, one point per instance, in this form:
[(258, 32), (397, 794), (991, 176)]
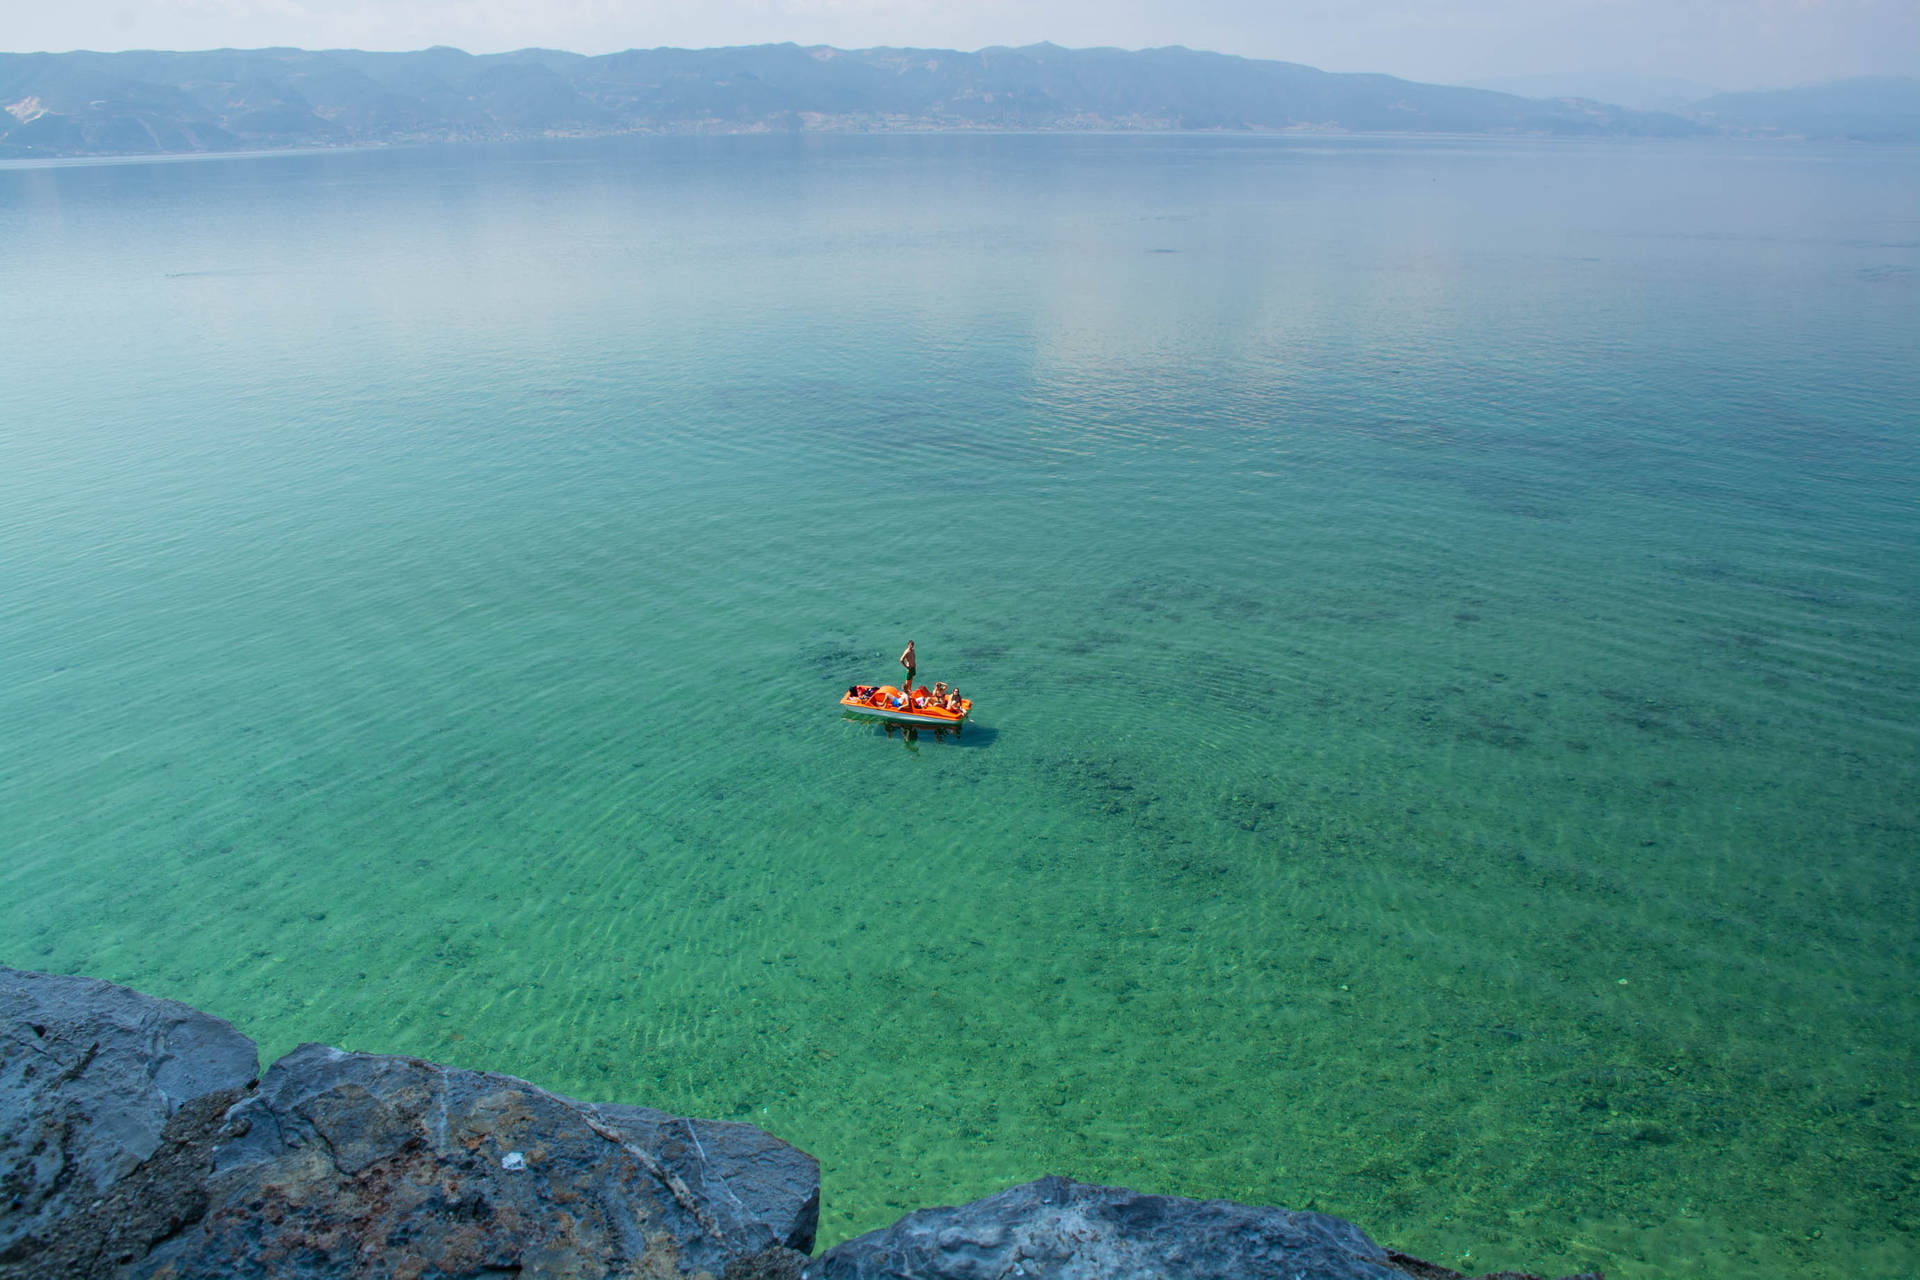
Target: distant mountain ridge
[(231, 99), (227, 99)]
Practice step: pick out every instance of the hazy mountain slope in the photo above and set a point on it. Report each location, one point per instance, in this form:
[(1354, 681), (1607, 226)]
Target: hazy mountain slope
[(81, 103), (1628, 89), (1866, 109)]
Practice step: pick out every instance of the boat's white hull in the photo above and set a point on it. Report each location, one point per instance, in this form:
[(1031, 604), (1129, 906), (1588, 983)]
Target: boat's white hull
[(908, 717)]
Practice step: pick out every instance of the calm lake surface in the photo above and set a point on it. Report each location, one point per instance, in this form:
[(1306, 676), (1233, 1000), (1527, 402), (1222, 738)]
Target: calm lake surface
[(1444, 622)]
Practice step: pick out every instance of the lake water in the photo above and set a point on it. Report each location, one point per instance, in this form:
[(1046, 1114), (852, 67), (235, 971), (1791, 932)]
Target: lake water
[(1443, 618)]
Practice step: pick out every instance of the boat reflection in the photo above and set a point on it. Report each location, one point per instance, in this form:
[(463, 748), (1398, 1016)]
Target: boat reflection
[(964, 734)]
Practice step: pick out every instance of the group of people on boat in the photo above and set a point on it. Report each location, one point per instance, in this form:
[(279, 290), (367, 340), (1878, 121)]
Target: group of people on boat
[(906, 697), (938, 698)]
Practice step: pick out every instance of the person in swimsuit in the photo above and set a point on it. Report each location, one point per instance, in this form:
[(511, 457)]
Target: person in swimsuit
[(907, 661)]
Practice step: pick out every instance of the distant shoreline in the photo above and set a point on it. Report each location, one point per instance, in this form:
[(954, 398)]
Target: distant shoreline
[(22, 163)]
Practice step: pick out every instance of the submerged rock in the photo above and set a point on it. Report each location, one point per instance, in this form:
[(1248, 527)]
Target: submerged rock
[(351, 1163), (1055, 1229), (90, 1075)]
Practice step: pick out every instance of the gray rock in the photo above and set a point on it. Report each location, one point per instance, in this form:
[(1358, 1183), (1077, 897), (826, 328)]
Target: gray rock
[(725, 1162), (350, 1163), (1420, 1269), (153, 1202), (770, 1264), (90, 1073), (1054, 1229)]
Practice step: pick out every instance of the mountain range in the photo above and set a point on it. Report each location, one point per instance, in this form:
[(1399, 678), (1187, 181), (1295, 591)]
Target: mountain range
[(56, 104)]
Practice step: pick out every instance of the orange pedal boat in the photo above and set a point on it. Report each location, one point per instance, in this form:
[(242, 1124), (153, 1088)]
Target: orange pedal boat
[(878, 702)]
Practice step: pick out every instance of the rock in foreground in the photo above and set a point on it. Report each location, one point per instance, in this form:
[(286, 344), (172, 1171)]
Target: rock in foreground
[(133, 1143), (357, 1164), (1055, 1229), (90, 1074)]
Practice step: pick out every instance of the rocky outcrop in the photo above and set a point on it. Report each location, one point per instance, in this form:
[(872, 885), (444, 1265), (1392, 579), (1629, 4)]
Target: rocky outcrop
[(722, 1162), (131, 1145), (1055, 1229), (343, 1159), (135, 1143), (1066, 1230), (90, 1074)]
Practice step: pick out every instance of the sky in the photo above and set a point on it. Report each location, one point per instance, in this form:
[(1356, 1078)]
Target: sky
[(1727, 44)]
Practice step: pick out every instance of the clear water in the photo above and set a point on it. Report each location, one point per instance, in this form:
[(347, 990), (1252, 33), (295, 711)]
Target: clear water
[(1442, 619)]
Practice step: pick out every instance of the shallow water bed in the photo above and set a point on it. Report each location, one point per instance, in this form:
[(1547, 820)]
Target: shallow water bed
[(1443, 641)]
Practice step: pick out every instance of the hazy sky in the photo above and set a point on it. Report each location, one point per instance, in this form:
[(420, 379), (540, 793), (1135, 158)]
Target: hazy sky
[(1731, 44)]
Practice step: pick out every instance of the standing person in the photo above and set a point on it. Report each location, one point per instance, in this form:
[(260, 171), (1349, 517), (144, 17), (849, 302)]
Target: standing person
[(907, 661)]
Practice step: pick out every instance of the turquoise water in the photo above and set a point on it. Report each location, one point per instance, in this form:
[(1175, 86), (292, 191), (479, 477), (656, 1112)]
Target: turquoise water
[(1442, 619)]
